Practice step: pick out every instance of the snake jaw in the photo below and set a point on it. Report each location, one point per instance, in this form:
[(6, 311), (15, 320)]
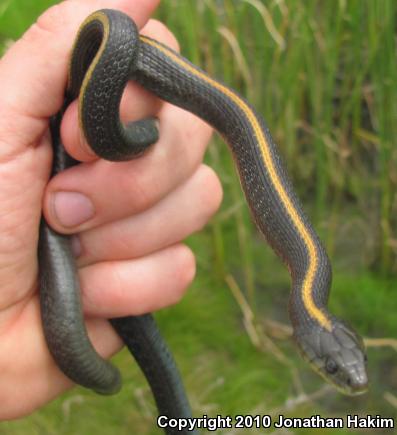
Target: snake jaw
[(337, 355)]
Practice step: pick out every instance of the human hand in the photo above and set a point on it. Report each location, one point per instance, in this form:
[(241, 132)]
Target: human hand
[(129, 217)]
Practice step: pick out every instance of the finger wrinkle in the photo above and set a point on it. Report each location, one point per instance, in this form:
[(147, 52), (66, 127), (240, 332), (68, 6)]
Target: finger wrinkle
[(33, 85), (138, 186), (16, 115), (16, 142), (12, 307), (10, 153), (11, 314)]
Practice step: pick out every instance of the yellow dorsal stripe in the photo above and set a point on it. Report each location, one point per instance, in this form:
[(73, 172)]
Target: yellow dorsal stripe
[(307, 285), (100, 16)]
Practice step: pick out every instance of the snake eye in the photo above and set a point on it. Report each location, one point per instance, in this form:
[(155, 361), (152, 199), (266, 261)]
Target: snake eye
[(331, 366)]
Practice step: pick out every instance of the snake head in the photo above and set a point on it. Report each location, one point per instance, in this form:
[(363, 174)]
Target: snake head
[(337, 355)]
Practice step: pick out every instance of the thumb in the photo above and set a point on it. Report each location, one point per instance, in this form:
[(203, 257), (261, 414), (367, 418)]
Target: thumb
[(33, 74)]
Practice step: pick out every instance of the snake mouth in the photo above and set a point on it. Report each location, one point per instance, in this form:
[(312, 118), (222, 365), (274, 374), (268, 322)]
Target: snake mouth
[(357, 392), (354, 384), (356, 388), (357, 385)]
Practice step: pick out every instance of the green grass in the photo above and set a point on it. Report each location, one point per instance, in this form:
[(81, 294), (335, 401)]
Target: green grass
[(324, 75)]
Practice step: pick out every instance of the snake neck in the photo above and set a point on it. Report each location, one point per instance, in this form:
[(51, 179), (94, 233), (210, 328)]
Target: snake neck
[(310, 290)]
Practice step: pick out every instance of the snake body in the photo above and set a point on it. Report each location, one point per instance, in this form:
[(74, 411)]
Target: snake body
[(107, 53)]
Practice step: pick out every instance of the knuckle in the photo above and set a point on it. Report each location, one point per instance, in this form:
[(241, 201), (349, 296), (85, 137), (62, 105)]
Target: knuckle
[(138, 187), (51, 18), (50, 22), (186, 271), (162, 33), (210, 193)]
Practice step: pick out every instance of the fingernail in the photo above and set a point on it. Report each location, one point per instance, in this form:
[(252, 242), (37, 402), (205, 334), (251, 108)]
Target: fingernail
[(72, 208)]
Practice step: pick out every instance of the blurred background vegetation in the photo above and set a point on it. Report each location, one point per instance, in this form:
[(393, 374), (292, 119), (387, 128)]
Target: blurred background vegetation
[(324, 75)]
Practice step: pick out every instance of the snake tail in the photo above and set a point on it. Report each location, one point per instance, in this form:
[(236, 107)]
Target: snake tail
[(143, 339)]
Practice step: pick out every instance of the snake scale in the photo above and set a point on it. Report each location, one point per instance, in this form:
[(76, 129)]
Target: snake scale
[(107, 53)]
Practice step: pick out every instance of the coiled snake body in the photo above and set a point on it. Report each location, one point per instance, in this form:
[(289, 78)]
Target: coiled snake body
[(107, 53)]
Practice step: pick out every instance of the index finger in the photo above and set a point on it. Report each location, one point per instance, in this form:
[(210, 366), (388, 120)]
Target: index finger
[(34, 70)]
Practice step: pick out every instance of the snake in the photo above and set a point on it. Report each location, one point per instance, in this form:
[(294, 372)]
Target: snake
[(107, 53)]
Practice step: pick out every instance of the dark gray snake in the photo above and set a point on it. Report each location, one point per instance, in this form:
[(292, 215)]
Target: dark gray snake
[(107, 53)]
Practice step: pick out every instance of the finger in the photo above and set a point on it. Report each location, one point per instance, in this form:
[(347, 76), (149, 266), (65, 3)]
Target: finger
[(183, 212), (36, 65), (136, 103), (91, 194), (39, 377), (138, 286), (158, 30), (108, 289), (33, 76)]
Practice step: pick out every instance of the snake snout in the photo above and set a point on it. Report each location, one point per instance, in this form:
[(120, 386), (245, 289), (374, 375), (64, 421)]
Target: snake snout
[(357, 383)]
